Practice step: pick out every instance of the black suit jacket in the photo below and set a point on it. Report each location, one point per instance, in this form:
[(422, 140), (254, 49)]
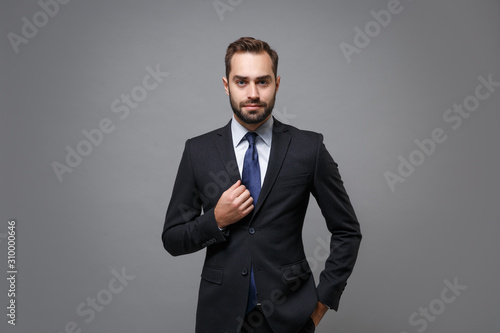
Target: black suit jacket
[(269, 238)]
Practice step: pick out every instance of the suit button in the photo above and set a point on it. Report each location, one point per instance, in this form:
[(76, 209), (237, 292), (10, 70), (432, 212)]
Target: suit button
[(251, 231), (244, 272)]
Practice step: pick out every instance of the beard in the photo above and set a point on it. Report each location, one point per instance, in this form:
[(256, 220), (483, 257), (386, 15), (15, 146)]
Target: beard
[(252, 117)]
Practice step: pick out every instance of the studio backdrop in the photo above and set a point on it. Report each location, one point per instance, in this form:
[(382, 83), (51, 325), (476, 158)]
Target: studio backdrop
[(98, 98)]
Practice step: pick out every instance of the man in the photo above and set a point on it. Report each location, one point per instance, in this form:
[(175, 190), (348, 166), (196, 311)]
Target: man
[(242, 192)]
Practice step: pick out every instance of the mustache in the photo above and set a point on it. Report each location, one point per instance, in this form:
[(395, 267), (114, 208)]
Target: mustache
[(258, 103)]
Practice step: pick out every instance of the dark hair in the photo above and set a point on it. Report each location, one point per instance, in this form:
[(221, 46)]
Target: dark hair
[(250, 44)]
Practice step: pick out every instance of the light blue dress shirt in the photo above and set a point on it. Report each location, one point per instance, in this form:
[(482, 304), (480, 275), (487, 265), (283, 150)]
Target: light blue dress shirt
[(262, 143)]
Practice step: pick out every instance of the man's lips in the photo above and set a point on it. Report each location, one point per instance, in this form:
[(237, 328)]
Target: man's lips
[(253, 106)]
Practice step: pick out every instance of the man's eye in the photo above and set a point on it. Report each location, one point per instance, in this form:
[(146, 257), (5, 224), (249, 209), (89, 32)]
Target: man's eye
[(263, 83), (240, 82)]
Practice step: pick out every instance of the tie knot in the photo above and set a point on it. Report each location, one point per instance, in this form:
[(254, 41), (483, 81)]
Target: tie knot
[(250, 136)]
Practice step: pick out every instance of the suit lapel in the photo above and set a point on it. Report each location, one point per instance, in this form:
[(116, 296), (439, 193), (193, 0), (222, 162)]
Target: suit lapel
[(225, 148), (279, 148)]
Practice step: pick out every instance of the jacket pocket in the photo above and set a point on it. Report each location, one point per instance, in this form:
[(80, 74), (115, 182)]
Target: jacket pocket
[(296, 271), (292, 180), (212, 274)]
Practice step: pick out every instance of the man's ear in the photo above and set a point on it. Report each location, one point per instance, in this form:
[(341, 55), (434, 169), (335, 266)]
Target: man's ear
[(226, 85), (278, 80)]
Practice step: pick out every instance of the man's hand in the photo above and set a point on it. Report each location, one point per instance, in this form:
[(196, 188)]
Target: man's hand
[(318, 313), (233, 205)]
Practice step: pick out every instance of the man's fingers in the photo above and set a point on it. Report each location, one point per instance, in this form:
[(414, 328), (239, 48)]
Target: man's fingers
[(244, 194), (238, 191), (247, 210), (247, 202), (243, 201), (246, 207), (242, 197), (235, 185)]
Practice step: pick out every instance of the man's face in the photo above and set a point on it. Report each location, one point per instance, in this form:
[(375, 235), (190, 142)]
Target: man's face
[(251, 87)]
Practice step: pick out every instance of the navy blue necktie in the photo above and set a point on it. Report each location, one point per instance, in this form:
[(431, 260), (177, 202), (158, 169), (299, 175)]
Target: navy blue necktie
[(251, 179)]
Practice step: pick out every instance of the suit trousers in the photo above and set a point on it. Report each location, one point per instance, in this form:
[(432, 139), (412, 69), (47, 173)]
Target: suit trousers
[(255, 322)]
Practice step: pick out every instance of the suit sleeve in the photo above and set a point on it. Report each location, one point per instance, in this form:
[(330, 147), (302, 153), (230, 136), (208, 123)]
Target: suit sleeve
[(329, 191), (186, 229)]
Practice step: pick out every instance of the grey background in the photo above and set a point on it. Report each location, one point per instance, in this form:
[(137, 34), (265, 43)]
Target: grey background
[(441, 223)]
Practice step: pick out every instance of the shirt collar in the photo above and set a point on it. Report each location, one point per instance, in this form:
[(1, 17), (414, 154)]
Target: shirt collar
[(265, 131)]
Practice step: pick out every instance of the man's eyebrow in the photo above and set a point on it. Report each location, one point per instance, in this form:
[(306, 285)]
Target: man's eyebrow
[(264, 77)]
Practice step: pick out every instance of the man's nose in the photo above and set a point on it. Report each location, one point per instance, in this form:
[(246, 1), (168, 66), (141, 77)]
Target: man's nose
[(253, 91)]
